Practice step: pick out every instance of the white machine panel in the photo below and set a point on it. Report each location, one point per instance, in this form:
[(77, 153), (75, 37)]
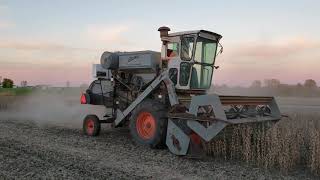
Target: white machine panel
[(99, 72)]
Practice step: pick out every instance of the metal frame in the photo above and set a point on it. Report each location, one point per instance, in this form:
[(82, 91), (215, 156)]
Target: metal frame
[(163, 77)]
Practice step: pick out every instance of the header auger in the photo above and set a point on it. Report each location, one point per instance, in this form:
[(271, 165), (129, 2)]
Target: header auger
[(163, 98)]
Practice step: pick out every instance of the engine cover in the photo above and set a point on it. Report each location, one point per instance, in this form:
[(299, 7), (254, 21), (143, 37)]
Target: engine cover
[(142, 61)]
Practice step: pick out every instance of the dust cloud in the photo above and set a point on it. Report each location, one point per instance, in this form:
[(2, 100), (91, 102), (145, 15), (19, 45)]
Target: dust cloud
[(49, 109)]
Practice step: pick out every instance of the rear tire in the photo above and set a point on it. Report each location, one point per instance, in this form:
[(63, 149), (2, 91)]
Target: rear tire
[(91, 125), (148, 124)]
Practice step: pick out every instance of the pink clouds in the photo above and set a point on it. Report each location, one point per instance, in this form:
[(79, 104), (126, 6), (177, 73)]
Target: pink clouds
[(42, 62), (122, 36), (110, 34), (275, 49), (290, 60), (57, 76), (25, 44)]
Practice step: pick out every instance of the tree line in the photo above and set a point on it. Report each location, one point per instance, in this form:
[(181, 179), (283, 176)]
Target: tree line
[(275, 83), (272, 87)]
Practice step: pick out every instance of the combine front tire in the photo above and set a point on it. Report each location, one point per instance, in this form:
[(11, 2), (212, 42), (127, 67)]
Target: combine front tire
[(91, 125), (148, 123)]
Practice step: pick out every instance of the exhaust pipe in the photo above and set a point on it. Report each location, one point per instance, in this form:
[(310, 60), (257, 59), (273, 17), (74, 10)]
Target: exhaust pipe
[(163, 31)]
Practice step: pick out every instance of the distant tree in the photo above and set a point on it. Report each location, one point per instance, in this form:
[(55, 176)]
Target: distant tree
[(299, 85), (310, 83), (272, 83), (224, 86), (7, 83), (256, 84), (24, 83)]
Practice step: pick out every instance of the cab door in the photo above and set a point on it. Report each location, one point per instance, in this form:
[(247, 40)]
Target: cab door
[(101, 92)]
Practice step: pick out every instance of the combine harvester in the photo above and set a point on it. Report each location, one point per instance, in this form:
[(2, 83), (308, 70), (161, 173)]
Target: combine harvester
[(163, 98)]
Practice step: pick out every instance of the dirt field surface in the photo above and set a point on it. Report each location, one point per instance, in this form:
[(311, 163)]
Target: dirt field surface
[(29, 150)]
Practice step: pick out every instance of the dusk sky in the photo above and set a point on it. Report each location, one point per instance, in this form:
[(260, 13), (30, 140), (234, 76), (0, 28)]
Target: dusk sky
[(51, 42)]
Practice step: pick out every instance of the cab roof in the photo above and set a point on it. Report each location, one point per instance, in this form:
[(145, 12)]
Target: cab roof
[(195, 32)]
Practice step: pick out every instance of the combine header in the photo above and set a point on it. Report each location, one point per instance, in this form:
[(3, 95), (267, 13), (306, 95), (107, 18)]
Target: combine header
[(163, 98)]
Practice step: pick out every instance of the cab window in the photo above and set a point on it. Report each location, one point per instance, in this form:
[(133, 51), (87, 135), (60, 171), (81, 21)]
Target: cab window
[(172, 49), (187, 48), (205, 51), (184, 73), (173, 75)]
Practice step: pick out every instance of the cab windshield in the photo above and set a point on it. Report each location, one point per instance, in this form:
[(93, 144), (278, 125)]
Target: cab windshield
[(205, 51), (204, 57)]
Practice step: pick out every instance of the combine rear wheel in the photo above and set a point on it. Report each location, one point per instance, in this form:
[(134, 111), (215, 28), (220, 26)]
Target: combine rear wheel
[(91, 125), (148, 123)]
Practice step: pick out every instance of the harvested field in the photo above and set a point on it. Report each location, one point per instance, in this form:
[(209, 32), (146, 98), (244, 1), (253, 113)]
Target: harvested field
[(34, 146), (30, 152)]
